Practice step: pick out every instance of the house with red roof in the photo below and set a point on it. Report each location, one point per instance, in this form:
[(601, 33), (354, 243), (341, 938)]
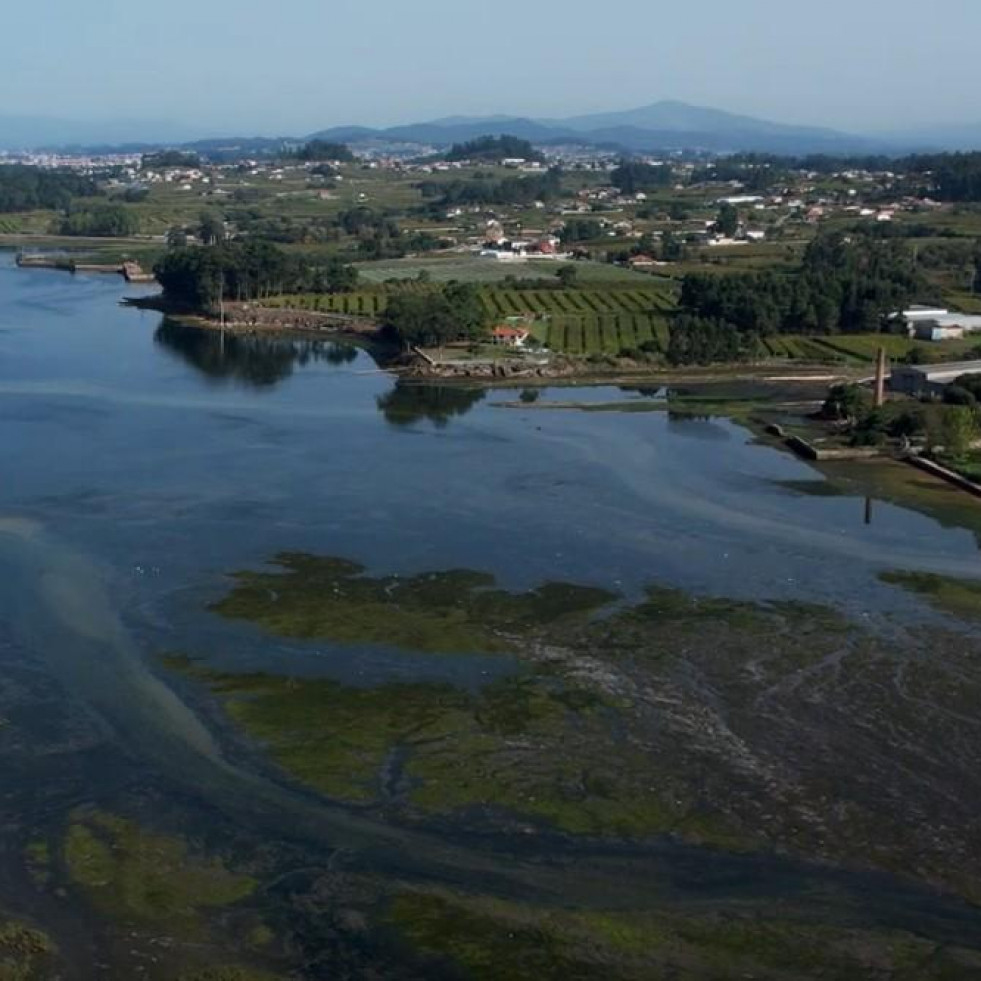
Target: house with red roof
[(508, 336)]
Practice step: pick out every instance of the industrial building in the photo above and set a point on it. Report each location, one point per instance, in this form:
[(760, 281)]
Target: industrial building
[(938, 324), (930, 379)]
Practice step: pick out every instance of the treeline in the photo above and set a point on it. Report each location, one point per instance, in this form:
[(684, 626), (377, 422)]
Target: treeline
[(486, 190), (318, 150), (25, 188), (951, 176), (954, 177), (706, 340), (198, 277), (361, 231), (99, 221), (632, 177), (493, 148), (169, 158), (847, 283)]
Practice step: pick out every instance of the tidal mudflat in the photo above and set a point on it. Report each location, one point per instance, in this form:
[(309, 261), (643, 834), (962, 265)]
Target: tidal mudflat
[(307, 672)]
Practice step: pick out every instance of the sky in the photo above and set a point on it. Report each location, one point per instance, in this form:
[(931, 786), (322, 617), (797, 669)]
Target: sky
[(289, 67)]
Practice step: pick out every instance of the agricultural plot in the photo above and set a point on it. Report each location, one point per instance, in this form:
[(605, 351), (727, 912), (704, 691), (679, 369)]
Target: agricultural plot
[(587, 321), (800, 348), (362, 304), (581, 303), (608, 333), (862, 347)]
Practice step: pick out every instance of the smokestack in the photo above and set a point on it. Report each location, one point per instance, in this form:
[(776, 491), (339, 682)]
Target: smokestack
[(880, 378)]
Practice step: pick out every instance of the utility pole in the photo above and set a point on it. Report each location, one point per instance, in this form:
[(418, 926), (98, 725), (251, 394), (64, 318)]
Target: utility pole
[(221, 312)]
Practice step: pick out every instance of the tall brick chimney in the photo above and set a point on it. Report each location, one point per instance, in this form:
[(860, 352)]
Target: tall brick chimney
[(880, 377)]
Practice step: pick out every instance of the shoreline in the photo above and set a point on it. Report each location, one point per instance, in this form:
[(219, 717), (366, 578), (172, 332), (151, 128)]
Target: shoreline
[(285, 322)]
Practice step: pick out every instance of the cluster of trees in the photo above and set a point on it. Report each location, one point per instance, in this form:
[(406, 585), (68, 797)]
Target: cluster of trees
[(99, 221), (953, 423), (486, 190), (493, 148), (752, 174), (632, 176), (318, 150), (170, 158), (845, 284), (705, 340), (436, 316), (24, 188), (949, 176), (198, 277), (945, 176), (668, 248), (581, 230)]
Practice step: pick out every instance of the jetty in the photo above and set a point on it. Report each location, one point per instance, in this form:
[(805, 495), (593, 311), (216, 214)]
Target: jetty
[(129, 269)]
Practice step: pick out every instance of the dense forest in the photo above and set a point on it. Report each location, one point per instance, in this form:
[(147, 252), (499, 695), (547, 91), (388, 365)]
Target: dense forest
[(24, 188), (487, 190), (319, 150), (197, 277), (846, 283), (632, 177), (493, 148), (99, 221), (169, 158)]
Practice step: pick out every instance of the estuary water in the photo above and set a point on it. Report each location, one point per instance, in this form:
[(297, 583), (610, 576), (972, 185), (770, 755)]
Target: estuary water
[(146, 461)]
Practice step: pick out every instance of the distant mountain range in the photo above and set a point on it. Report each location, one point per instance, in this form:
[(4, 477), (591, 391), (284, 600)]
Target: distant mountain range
[(662, 126)]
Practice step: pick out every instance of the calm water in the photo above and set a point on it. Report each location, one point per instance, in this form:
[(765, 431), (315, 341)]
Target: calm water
[(145, 461)]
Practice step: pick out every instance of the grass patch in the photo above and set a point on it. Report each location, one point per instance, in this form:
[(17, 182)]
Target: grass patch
[(438, 612), (146, 878), (962, 597), (489, 939), (532, 745), (25, 953)]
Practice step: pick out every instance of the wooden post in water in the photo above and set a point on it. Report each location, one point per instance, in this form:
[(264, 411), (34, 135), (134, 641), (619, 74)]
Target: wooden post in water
[(880, 378)]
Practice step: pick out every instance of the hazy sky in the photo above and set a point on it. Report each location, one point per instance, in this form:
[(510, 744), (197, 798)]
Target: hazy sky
[(291, 66)]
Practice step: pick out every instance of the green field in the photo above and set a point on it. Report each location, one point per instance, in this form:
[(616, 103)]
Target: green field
[(864, 347), (469, 268)]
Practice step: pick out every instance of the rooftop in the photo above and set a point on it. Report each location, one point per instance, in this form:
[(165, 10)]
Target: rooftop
[(949, 369)]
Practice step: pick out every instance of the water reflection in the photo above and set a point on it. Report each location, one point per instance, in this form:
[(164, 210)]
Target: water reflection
[(410, 402), (253, 360)]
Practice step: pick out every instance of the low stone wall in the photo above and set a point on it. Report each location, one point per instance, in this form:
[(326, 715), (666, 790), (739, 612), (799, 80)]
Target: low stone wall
[(937, 470), (488, 369), (811, 452)]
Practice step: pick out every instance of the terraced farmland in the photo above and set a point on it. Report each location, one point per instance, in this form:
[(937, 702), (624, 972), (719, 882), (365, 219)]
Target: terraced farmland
[(862, 347)]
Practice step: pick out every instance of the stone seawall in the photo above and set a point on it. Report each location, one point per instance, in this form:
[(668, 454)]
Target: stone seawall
[(938, 470)]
